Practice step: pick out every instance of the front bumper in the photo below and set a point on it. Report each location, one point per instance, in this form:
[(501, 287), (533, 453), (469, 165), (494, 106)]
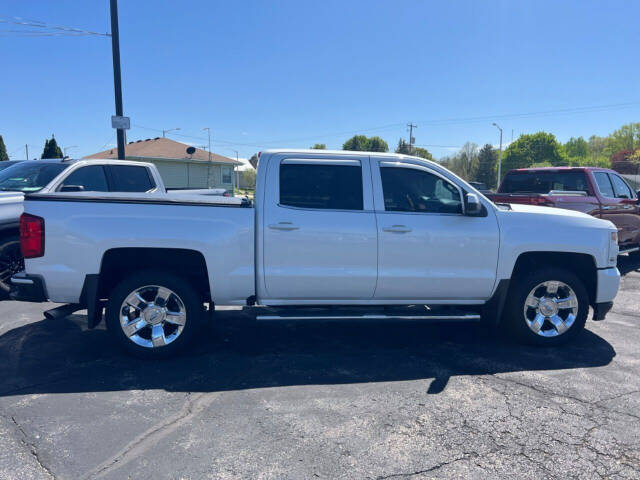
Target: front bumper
[(27, 288), (608, 284)]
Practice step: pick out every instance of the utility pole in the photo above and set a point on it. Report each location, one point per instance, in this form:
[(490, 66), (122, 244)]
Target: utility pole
[(234, 173), (411, 127), (209, 165), (499, 156), (117, 77), (26, 148)]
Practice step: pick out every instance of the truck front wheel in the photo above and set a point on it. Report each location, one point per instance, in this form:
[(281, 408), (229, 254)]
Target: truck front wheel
[(547, 307), (154, 313)]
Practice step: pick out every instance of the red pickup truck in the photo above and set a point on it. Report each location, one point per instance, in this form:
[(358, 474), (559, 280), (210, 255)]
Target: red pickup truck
[(597, 191)]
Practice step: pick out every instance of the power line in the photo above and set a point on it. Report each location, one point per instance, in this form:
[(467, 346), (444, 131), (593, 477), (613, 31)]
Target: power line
[(433, 122), (46, 29)]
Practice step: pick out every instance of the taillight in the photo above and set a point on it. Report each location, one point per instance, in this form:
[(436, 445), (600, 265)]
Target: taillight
[(31, 236)]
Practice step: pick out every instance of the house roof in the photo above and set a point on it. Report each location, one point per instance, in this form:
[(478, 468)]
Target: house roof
[(161, 147)]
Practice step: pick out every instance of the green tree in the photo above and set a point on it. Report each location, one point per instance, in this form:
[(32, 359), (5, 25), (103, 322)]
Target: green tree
[(486, 171), (403, 147), (626, 137), (536, 148), (3, 150), (376, 144), (577, 148), (422, 153), (357, 142), (51, 149), (364, 144), (319, 146), (464, 163), (249, 178)]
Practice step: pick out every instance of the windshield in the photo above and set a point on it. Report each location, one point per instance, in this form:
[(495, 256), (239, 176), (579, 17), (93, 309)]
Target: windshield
[(30, 176), (6, 164), (544, 182)]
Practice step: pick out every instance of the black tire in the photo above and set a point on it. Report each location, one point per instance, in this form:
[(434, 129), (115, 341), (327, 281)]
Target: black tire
[(186, 293), (11, 262), (514, 312)]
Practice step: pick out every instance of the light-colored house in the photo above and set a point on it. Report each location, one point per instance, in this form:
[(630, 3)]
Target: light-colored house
[(178, 168)]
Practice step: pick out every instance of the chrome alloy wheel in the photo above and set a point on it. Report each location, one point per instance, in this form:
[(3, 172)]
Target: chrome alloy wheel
[(152, 316), (551, 308)]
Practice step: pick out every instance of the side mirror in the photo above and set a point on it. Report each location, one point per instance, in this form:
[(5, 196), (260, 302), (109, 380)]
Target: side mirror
[(638, 196), (473, 206), (72, 188)]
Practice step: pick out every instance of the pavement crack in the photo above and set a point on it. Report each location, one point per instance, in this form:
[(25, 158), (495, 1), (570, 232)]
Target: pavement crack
[(437, 466), (194, 405), (31, 447)]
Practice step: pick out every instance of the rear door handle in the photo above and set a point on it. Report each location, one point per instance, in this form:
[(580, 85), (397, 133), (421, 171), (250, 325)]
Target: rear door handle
[(397, 229), (283, 226)]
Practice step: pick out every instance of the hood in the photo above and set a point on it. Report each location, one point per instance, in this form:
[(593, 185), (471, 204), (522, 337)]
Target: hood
[(517, 207), (550, 215)]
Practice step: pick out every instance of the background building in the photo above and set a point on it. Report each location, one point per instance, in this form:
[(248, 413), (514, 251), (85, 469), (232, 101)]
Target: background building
[(178, 168)]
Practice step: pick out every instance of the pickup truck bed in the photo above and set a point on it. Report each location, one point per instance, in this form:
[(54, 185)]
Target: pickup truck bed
[(330, 232)]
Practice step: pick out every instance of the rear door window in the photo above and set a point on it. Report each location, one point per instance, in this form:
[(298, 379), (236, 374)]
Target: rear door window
[(129, 178), (91, 179), (604, 184), (321, 186), (542, 182)]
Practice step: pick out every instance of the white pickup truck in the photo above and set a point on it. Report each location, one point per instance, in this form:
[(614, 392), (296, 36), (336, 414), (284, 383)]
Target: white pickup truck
[(58, 175), (332, 234)]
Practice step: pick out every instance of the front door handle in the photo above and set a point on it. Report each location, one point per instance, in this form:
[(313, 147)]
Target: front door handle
[(283, 226), (397, 229)]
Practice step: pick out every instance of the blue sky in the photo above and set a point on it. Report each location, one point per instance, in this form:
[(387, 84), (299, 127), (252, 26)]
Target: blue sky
[(267, 74)]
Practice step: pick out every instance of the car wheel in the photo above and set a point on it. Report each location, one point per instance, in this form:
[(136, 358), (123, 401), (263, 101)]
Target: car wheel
[(154, 314), (547, 307), (11, 262)]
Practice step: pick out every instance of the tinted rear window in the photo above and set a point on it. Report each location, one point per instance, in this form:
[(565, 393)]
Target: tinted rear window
[(337, 187), (128, 178), (544, 182)]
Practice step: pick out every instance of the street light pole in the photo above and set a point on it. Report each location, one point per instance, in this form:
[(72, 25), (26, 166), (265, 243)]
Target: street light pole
[(499, 156), (68, 148), (117, 77), (164, 132)]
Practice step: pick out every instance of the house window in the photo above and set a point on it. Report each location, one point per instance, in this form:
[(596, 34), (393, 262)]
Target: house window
[(226, 174)]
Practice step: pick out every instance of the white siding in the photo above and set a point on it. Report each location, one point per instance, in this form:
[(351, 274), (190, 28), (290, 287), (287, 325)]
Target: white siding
[(183, 173)]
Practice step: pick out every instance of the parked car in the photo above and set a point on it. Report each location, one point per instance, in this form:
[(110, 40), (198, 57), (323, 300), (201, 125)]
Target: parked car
[(332, 235), (481, 187), (600, 192), (7, 163), (66, 176)]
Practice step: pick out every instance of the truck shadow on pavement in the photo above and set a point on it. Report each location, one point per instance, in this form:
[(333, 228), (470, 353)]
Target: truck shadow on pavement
[(61, 356)]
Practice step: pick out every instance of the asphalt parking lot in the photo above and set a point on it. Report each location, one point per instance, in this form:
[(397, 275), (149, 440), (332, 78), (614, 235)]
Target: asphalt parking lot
[(338, 400)]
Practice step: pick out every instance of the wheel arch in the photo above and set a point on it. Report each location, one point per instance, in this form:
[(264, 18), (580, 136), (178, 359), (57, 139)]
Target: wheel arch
[(117, 262), (582, 264)]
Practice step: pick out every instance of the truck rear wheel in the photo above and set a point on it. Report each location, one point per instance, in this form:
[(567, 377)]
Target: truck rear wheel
[(11, 262), (547, 307), (154, 314)]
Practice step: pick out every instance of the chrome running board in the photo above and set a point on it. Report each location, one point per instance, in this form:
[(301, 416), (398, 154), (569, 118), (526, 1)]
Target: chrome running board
[(461, 317)]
